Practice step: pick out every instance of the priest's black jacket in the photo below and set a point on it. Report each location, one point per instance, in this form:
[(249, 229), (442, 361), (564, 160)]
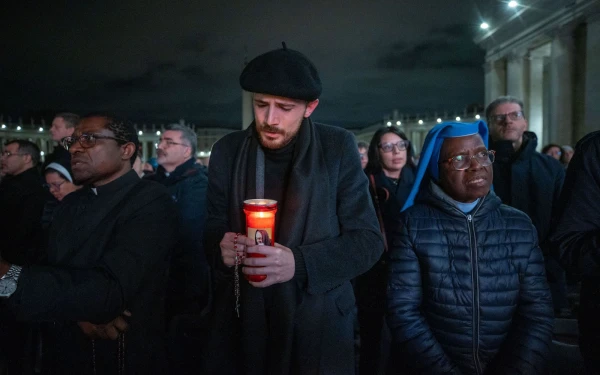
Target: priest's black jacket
[(108, 252), (305, 325)]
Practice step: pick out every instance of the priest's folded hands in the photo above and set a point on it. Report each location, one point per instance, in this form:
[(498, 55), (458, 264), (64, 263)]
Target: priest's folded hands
[(108, 331)]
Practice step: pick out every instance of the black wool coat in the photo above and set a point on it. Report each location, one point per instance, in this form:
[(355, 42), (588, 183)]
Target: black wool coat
[(22, 200), (533, 184), (189, 273), (328, 222), (576, 240), (107, 253)]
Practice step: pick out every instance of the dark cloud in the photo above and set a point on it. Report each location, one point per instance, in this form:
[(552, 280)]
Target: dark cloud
[(152, 61), (151, 79), (445, 47), (194, 43), (194, 73)]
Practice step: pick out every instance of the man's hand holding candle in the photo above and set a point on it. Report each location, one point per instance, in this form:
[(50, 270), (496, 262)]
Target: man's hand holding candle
[(278, 264)]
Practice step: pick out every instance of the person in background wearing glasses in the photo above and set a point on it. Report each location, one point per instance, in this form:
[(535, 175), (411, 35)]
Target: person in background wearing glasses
[(467, 292), (107, 261), (59, 183), (58, 179), (529, 181), (391, 175), (22, 200), (188, 286)]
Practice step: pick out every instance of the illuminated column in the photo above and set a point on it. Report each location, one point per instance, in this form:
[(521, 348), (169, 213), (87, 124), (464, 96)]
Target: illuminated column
[(561, 90), (536, 96), (247, 114), (515, 75), (535, 111), (495, 79), (592, 78), (417, 140)]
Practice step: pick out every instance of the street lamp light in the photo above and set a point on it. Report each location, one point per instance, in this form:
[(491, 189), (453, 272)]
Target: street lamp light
[(158, 132), (389, 123), (420, 122), (18, 128), (477, 117), (41, 129), (513, 4), (140, 132), (398, 123), (484, 25), (439, 120), (457, 118)]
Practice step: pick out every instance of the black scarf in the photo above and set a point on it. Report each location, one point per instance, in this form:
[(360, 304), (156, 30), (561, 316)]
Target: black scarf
[(268, 343)]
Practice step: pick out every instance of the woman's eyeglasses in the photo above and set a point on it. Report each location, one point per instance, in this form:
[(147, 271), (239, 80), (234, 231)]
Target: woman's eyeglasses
[(389, 146), (463, 162)]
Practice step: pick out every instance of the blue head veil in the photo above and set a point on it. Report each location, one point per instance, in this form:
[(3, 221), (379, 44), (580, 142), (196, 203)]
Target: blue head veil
[(430, 154)]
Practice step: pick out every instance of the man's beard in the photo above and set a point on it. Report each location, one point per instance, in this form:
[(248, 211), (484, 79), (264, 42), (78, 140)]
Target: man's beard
[(274, 144)]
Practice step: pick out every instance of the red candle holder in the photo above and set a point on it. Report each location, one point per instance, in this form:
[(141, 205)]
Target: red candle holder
[(260, 225)]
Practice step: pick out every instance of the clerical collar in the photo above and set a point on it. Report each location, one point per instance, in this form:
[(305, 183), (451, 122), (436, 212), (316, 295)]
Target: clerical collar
[(128, 178)]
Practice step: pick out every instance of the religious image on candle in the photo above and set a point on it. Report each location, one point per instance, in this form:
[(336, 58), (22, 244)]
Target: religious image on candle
[(261, 236)]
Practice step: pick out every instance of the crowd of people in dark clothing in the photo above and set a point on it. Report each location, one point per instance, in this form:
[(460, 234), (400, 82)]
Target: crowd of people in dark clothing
[(455, 262)]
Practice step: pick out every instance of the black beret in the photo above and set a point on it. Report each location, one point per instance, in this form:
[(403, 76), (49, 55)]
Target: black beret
[(282, 72)]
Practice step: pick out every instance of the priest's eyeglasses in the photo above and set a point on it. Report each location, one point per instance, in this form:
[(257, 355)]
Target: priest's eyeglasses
[(512, 116), (463, 162), (389, 146), (87, 140)]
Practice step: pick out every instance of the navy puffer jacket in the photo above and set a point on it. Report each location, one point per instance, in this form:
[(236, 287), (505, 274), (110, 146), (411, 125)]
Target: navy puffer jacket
[(467, 294)]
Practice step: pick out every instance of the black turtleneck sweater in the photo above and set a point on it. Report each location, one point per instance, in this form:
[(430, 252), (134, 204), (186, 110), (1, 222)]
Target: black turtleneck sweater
[(278, 165)]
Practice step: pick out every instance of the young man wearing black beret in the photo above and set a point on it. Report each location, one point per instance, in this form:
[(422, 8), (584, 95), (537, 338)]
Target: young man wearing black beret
[(299, 320)]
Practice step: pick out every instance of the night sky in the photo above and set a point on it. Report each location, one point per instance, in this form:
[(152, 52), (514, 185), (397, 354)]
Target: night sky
[(158, 61)]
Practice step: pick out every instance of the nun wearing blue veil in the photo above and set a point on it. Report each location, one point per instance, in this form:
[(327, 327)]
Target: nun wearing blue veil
[(467, 292)]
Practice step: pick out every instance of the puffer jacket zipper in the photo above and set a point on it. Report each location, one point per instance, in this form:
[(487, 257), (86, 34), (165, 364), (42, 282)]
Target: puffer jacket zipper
[(475, 281)]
